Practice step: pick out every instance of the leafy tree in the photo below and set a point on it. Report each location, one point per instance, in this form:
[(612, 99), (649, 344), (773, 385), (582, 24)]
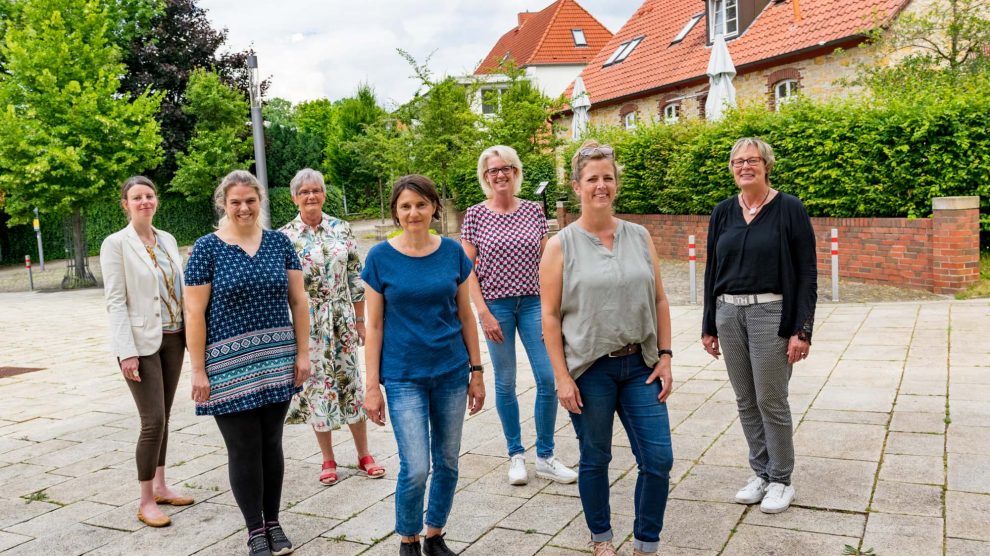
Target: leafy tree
[(69, 135), (289, 150), (315, 117), (220, 141), (278, 111), (940, 48), (163, 54), (350, 117)]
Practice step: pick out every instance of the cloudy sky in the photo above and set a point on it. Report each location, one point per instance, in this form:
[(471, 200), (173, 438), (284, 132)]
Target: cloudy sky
[(326, 48)]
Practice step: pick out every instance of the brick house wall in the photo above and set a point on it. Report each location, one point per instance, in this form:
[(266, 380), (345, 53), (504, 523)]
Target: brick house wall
[(940, 254)]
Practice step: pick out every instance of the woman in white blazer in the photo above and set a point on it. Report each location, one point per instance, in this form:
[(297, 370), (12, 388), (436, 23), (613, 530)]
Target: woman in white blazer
[(142, 277)]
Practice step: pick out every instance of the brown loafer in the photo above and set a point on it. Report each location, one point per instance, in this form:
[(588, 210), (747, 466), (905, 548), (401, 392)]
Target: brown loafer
[(163, 521), (177, 501)]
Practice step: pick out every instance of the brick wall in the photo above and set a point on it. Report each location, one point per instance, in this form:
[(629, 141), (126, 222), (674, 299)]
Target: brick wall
[(939, 254)]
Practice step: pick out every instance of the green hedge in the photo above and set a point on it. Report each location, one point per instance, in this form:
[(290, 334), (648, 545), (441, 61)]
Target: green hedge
[(186, 220), (843, 159)]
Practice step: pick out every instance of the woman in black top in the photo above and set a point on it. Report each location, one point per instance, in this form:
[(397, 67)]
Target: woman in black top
[(761, 281)]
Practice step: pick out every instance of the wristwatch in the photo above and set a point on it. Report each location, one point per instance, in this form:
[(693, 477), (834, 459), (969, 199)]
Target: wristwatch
[(662, 352), (477, 368)]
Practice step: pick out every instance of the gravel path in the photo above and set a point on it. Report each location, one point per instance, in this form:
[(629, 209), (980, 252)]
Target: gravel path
[(675, 278)]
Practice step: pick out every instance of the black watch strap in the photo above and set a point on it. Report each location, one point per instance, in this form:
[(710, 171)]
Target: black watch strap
[(477, 368), (661, 352)]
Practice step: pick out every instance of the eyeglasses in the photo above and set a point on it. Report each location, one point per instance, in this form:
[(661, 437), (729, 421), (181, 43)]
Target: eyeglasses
[(493, 172), (308, 192), (740, 162), (592, 151)]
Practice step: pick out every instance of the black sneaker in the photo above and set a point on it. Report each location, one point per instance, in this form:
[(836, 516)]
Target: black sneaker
[(258, 546), (277, 540), (434, 546), (410, 549)]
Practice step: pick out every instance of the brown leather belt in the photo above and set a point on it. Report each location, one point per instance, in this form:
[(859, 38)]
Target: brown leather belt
[(624, 351)]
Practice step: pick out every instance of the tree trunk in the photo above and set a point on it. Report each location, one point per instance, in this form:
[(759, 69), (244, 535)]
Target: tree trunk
[(77, 274)]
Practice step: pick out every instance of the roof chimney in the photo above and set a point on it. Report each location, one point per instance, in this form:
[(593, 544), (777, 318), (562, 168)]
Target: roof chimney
[(523, 16)]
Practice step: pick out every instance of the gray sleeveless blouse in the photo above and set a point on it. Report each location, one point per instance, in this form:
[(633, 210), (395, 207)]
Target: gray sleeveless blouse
[(608, 299)]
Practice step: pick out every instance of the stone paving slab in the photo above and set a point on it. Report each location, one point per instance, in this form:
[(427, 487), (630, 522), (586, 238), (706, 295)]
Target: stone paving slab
[(891, 417)]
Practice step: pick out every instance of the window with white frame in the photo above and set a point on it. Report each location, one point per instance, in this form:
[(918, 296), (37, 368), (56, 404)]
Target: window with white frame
[(491, 97), (723, 17), (687, 28), (623, 51), (579, 38), (672, 112), (784, 91), (629, 120)]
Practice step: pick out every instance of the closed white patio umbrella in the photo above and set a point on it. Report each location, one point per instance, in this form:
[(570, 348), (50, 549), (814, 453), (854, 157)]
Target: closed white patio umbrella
[(580, 105), (721, 92)]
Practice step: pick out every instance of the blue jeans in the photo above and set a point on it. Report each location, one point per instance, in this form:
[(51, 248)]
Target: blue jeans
[(522, 313), (618, 385), (428, 419)]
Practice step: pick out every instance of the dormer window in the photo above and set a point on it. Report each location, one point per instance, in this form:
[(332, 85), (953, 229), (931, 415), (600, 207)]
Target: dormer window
[(723, 18), (505, 57), (623, 51), (687, 28), (579, 39)]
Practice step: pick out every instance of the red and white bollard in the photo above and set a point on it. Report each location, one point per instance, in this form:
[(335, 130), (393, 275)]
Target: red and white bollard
[(835, 265), (692, 269), (27, 265)]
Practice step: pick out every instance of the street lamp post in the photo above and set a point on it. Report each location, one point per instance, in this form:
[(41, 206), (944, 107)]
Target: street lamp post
[(258, 129)]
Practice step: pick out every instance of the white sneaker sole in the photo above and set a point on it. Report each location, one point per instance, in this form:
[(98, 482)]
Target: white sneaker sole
[(555, 478), (518, 482), (748, 501), (774, 510)]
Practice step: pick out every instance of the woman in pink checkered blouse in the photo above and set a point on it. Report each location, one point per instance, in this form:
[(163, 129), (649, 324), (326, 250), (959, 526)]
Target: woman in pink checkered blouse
[(504, 236)]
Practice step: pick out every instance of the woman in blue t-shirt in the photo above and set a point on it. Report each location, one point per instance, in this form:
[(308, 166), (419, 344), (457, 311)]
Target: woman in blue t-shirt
[(422, 344)]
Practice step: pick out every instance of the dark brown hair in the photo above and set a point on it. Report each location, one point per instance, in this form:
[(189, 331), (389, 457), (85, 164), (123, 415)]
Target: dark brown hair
[(135, 180), (420, 185)]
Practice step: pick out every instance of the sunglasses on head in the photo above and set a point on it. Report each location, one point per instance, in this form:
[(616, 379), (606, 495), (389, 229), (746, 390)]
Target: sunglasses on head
[(592, 151)]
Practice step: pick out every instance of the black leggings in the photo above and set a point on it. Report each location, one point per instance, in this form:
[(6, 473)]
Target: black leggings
[(254, 460)]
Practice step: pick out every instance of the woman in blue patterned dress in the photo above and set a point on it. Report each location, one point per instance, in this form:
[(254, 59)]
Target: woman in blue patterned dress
[(332, 275), (248, 358)]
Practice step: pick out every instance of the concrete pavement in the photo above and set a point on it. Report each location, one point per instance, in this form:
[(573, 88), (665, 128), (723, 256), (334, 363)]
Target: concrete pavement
[(892, 416)]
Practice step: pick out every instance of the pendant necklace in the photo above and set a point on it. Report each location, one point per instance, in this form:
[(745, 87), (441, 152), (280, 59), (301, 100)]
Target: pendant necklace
[(752, 210)]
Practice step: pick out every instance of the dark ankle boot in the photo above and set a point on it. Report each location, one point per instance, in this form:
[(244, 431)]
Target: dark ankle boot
[(434, 546), (410, 549)]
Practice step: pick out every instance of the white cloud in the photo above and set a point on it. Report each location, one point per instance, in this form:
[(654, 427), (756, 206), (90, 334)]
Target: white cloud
[(315, 49)]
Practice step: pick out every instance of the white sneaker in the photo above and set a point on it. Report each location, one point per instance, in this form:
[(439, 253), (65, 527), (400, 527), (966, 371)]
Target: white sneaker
[(753, 492), (517, 470), (551, 468), (777, 499)]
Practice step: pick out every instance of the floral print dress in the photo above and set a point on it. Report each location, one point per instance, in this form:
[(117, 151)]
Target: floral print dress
[(334, 393)]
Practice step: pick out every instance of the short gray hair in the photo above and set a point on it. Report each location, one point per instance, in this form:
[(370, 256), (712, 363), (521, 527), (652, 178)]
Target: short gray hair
[(766, 152), (237, 177), (306, 175), (507, 154)]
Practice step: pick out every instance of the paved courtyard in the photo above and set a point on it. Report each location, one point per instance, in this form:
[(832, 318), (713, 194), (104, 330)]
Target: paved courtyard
[(892, 417)]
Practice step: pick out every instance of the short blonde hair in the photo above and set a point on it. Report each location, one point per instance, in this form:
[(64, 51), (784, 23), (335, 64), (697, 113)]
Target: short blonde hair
[(766, 152), (507, 154), (237, 177)]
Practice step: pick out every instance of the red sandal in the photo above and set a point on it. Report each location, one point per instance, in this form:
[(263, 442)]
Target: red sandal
[(372, 469), (328, 475)]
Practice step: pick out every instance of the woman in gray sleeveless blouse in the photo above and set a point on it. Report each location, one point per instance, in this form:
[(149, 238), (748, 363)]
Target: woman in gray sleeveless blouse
[(606, 325)]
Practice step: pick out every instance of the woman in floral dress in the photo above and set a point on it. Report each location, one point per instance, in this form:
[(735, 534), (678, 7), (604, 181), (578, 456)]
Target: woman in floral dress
[(334, 394)]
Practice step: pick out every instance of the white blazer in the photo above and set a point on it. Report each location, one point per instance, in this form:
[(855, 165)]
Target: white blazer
[(130, 285)]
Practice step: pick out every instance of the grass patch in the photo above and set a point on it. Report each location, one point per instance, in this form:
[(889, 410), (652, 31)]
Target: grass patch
[(982, 287), (850, 550)]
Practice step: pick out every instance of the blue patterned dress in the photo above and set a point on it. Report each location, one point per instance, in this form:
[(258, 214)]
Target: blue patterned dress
[(250, 343)]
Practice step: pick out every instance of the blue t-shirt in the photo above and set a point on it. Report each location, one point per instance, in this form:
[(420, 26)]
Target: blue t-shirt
[(422, 333)]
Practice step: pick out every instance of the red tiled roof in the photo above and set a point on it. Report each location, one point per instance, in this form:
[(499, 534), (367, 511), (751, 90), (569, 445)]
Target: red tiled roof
[(545, 37), (776, 32)]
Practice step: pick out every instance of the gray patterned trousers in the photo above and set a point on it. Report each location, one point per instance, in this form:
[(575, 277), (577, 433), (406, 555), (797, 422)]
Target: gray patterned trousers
[(756, 359)]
